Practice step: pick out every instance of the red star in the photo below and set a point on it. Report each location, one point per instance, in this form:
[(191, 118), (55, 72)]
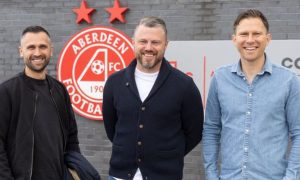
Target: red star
[(83, 12), (116, 12)]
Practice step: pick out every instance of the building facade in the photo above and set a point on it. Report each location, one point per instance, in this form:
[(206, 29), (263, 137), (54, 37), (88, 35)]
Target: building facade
[(187, 20)]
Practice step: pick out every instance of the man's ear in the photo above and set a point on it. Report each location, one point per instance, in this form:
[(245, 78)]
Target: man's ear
[(233, 38), (52, 49), (20, 51), (269, 37)]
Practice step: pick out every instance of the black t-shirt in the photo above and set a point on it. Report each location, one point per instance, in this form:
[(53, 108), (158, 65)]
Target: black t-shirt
[(48, 139)]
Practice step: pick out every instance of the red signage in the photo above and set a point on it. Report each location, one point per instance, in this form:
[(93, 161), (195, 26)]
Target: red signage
[(85, 63)]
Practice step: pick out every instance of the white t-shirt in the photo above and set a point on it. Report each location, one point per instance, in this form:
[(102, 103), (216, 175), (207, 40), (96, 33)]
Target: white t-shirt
[(144, 82)]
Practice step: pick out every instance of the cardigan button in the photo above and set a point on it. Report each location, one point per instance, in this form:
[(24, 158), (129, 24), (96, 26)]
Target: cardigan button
[(141, 126), (129, 175), (139, 143), (139, 160), (127, 84), (143, 108)]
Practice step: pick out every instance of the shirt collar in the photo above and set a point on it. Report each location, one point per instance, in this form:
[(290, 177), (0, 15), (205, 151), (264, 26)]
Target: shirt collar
[(236, 68)]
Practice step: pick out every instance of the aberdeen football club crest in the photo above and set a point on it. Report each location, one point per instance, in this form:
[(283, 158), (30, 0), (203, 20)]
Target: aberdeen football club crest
[(86, 62)]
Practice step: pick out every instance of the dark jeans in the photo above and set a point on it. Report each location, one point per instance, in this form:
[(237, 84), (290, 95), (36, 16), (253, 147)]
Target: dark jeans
[(111, 178)]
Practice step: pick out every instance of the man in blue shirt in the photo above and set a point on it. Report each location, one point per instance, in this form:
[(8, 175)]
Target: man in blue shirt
[(252, 110)]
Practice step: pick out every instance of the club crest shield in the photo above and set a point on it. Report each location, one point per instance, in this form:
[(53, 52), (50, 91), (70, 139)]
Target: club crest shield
[(85, 63)]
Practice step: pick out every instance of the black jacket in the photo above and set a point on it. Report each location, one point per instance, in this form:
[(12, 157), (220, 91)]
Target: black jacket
[(80, 164), (17, 112), (156, 134)]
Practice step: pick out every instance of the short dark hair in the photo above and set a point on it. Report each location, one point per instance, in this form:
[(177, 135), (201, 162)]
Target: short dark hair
[(251, 13), (35, 29), (152, 21)]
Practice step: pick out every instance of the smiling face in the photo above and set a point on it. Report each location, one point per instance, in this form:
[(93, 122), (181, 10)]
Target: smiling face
[(251, 39), (149, 44), (36, 50)]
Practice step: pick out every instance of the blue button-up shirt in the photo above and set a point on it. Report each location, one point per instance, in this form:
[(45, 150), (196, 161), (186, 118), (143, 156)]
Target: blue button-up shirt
[(251, 124)]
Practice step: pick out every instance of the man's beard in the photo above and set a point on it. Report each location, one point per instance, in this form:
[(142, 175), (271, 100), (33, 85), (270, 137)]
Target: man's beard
[(152, 64), (149, 65), (34, 68)]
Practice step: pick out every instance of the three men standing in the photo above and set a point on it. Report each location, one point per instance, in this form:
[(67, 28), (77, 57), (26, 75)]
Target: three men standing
[(153, 113)]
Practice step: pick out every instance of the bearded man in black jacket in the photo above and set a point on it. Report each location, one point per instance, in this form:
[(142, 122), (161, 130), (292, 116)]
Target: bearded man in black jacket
[(152, 112), (37, 124)]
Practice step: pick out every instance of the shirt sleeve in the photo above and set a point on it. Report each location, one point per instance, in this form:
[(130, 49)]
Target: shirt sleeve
[(192, 116), (293, 120), (5, 110), (108, 110), (72, 142), (211, 132)]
